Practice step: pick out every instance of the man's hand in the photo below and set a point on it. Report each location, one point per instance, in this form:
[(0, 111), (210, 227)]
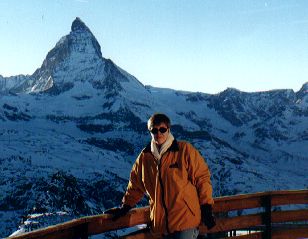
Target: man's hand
[(118, 212), (207, 216)]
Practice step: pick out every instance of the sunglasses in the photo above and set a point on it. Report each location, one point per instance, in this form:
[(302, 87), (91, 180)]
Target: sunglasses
[(161, 130)]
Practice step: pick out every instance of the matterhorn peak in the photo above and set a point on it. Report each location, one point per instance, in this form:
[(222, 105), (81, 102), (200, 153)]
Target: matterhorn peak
[(75, 62), (79, 25), (80, 33), (76, 56)]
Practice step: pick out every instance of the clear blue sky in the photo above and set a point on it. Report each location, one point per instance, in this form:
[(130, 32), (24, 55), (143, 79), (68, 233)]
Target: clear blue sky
[(197, 45)]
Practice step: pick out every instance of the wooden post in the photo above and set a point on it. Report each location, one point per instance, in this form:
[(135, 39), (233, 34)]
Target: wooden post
[(81, 231), (266, 202)]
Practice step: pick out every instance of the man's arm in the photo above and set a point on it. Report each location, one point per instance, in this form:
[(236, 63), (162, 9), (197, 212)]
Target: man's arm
[(201, 178), (200, 175), (134, 192), (135, 188)]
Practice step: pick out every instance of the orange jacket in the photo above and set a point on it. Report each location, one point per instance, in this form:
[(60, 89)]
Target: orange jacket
[(176, 188)]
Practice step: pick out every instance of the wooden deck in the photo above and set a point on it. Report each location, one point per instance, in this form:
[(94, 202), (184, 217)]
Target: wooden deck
[(270, 223)]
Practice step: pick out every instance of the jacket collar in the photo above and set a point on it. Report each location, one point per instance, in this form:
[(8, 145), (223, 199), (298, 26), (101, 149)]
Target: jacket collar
[(174, 147)]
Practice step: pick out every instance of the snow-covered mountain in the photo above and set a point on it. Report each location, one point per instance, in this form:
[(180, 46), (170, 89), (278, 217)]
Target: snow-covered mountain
[(70, 132)]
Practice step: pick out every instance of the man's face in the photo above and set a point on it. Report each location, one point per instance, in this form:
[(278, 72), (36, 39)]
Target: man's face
[(159, 133)]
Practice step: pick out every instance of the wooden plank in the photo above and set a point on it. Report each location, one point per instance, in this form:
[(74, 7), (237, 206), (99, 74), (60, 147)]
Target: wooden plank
[(289, 197), (236, 204), (246, 201), (248, 221), (65, 230), (297, 233), (102, 223), (290, 216), (233, 223)]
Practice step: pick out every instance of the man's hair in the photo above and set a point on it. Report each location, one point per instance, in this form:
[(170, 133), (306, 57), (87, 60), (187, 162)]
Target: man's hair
[(157, 119)]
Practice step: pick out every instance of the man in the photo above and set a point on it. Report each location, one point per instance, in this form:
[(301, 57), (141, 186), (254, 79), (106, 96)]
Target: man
[(177, 180)]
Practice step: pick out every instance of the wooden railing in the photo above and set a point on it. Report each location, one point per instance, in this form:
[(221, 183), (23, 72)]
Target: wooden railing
[(270, 223)]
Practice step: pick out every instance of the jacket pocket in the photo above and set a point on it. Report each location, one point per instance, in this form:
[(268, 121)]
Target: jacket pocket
[(175, 165), (190, 209), (190, 198)]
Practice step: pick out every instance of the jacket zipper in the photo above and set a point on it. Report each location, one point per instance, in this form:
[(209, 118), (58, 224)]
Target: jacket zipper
[(163, 197)]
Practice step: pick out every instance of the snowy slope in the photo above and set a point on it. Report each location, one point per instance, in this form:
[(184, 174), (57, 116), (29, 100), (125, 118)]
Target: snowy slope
[(71, 131)]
